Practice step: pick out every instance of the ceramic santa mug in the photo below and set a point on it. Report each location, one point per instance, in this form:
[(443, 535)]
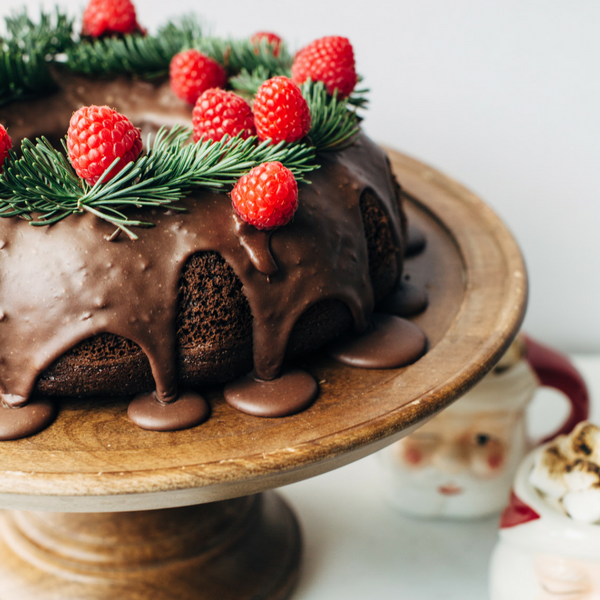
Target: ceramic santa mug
[(542, 553), (461, 464)]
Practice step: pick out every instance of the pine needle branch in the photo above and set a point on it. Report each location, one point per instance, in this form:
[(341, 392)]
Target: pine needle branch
[(246, 83), (53, 34), (236, 55), (144, 56), (333, 125), (42, 187), (25, 53)]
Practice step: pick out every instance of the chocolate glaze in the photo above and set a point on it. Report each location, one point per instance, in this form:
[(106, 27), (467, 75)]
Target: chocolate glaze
[(406, 300), (389, 343), (290, 393), (188, 410), (415, 241), (65, 283), (26, 421), (148, 104)]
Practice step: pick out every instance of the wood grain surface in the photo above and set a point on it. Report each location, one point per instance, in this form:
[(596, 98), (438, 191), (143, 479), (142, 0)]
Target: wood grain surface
[(242, 549), (93, 459)]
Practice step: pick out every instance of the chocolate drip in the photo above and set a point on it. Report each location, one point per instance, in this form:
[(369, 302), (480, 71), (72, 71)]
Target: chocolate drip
[(290, 393), (257, 243), (389, 343)]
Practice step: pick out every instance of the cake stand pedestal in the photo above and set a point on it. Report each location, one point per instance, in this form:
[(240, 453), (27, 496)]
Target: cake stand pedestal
[(96, 508)]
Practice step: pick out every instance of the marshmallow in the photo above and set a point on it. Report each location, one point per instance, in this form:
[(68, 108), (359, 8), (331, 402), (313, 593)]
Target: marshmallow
[(583, 506), (548, 472), (567, 471), (582, 475)]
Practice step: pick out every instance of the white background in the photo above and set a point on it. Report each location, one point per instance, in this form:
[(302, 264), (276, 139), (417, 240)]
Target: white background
[(502, 95)]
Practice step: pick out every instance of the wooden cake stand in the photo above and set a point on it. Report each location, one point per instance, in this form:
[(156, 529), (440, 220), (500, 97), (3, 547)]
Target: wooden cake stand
[(199, 523)]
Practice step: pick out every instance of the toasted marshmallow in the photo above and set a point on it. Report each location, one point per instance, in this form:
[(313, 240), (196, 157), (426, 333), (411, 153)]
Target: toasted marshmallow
[(585, 442), (582, 475), (568, 471), (549, 471)]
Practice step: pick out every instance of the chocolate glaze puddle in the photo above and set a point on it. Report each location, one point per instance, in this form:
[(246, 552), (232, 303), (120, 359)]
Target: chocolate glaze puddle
[(65, 283), (406, 300), (26, 421), (389, 343), (187, 411), (290, 393), (415, 241)]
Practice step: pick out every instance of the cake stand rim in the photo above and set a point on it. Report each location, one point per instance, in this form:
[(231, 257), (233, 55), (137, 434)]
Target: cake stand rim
[(289, 464)]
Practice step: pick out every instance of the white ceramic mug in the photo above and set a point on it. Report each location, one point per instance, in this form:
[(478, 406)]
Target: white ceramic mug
[(461, 464), (543, 554)]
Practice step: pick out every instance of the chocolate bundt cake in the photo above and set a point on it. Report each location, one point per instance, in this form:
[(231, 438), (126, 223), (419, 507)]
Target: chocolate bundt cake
[(214, 319), (202, 298)]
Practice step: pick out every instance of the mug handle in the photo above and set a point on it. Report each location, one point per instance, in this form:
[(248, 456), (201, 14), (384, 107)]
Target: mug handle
[(556, 371)]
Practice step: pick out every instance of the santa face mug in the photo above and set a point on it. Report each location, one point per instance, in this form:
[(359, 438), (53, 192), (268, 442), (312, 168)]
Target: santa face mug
[(543, 552), (461, 464)]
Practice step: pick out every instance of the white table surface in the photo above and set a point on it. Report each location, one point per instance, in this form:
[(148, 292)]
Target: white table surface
[(358, 548)]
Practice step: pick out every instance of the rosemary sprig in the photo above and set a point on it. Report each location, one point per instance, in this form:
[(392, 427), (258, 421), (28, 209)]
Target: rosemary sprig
[(43, 188), (333, 125), (144, 56)]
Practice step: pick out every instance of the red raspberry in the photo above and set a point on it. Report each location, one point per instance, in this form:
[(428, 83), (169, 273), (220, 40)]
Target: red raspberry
[(267, 196), (273, 40), (97, 135), (5, 145), (330, 60), (110, 16), (193, 73), (218, 112), (280, 111)]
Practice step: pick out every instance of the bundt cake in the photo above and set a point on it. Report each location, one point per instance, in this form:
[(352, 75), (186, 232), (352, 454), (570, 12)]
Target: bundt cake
[(202, 297)]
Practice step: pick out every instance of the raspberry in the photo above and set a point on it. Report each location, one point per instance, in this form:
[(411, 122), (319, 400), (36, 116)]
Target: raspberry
[(272, 39), (330, 60), (5, 145), (280, 111), (97, 135), (193, 73), (267, 196), (110, 16), (218, 112)]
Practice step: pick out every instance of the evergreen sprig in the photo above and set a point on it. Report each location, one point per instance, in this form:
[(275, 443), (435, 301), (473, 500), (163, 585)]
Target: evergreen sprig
[(26, 51), (358, 97), (43, 188), (53, 33), (144, 56), (333, 125), (23, 74), (246, 83), (238, 55)]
